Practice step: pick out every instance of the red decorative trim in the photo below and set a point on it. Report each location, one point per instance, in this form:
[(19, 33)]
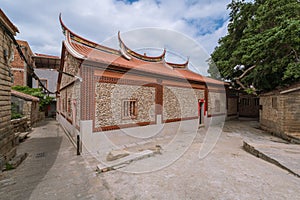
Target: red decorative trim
[(87, 93), (122, 81), (158, 99), (206, 100), (185, 85), (180, 119), (116, 127)]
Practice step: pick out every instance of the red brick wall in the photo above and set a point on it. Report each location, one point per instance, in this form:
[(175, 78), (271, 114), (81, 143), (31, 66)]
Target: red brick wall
[(18, 63)]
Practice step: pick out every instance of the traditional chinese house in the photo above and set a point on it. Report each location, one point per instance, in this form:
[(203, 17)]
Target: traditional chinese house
[(104, 89)]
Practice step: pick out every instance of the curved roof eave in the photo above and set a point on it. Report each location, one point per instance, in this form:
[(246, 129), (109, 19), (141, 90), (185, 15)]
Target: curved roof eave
[(84, 41), (180, 66), (129, 52), (70, 49)]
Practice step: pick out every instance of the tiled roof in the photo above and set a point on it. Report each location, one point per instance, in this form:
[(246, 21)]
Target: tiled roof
[(46, 56), (8, 23), (46, 61), (82, 49), (24, 96)]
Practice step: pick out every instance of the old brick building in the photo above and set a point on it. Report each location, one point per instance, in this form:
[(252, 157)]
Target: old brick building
[(280, 111), (46, 67), (104, 89), (7, 29), (21, 72)]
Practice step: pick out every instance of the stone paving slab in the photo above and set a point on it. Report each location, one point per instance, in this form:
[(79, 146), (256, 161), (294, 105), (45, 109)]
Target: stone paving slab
[(282, 154), (122, 162)]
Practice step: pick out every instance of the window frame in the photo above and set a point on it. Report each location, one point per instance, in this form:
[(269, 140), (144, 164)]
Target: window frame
[(129, 109)]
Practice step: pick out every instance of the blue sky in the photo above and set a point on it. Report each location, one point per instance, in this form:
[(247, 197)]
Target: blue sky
[(202, 21)]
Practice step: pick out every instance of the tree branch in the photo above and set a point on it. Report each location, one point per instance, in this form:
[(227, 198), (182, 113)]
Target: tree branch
[(238, 79), (245, 72)]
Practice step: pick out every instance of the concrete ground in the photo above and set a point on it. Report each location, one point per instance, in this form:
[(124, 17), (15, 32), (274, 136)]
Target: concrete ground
[(227, 172), (52, 170), (213, 166)]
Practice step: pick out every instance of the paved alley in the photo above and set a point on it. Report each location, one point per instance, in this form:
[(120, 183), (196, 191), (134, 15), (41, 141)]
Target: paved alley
[(52, 170)]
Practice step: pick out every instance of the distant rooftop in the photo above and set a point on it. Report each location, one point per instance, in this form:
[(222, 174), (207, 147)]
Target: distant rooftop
[(46, 61)]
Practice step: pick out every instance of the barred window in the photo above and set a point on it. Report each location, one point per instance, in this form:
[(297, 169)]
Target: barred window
[(274, 103), (129, 109)]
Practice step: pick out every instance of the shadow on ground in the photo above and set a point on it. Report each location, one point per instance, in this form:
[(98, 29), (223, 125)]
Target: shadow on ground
[(42, 155)]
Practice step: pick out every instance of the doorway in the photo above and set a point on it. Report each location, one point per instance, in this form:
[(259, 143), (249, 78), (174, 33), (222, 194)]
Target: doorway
[(201, 112)]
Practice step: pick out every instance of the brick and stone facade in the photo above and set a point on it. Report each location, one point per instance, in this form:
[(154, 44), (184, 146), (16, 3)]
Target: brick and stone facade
[(7, 147), (280, 110), (180, 102), (116, 89), (108, 103)]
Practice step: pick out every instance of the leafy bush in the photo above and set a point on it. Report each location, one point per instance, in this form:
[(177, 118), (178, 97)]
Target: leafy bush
[(36, 92), (15, 111), (16, 115)]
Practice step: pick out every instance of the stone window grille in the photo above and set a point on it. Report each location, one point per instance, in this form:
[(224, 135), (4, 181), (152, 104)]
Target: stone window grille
[(274, 103), (129, 109)]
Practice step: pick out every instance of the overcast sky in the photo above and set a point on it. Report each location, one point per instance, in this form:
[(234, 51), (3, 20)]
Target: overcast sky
[(197, 22)]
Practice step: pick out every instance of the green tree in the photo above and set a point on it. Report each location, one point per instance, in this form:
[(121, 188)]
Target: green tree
[(36, 92), (262, 48)]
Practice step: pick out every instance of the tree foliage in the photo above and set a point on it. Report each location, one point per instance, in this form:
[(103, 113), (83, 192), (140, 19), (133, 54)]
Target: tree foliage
[(263, 35), (36, 92)]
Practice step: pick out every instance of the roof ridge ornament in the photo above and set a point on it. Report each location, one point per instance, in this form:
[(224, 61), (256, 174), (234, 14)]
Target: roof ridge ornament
[(127, 52), (76, 38), (180, 66)]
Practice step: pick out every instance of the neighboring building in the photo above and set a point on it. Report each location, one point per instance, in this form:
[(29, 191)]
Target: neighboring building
[(7, 146), (232, 104), (241, 105), (46, 70), (103, 89), (21, 72), (280, 111), (26, 105), (248, 105)]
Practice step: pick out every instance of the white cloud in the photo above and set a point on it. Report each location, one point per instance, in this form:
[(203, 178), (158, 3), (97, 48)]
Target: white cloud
[(99, 20)]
